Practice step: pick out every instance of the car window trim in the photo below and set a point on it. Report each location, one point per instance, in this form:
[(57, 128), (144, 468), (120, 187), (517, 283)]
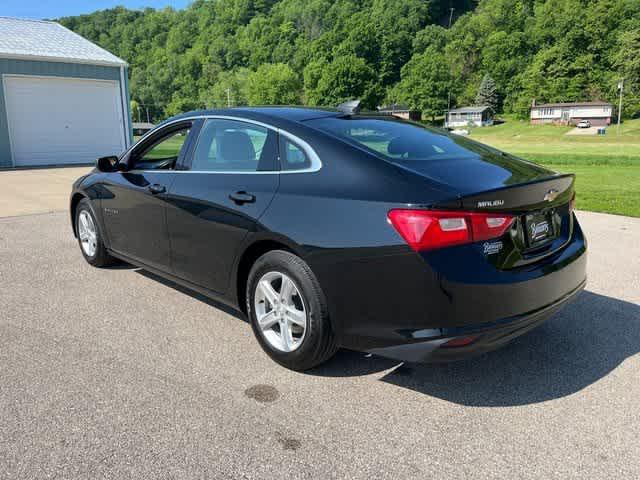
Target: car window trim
[(316, 163)]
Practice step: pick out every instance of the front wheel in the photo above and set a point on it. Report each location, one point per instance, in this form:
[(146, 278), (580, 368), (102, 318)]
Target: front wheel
[(288, 311), (90, 238)]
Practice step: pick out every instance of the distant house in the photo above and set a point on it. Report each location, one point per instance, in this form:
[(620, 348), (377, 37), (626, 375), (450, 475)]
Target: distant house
[(598, 113), (63, 99), (464, 116), (140, 128), (400, 111)]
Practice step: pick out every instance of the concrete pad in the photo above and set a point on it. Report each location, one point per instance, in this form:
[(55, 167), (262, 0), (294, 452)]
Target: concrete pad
[(40, 190), (583, 131)]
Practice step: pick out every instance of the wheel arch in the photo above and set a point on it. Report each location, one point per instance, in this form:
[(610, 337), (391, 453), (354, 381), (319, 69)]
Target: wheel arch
[(252, 251), (75, 200)]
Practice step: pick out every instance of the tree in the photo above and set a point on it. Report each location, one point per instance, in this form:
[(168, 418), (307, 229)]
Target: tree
[(136, 111), (551, 50), (487, 94), (425, 83), (345, 78), (273, 84), (627, 61), (227, 89)]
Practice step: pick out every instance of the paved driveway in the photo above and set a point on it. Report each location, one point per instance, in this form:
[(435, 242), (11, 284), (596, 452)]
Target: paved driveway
[(37, 190), (583, 131), (113, 373)]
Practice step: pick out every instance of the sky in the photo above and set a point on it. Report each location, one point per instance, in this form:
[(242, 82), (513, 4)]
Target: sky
[(61, 8)]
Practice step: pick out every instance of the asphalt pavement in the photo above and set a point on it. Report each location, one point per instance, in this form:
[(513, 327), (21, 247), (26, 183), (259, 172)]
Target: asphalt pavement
[(114, 373)]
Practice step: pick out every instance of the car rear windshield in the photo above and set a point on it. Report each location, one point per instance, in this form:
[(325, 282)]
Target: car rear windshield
[(396, 140)]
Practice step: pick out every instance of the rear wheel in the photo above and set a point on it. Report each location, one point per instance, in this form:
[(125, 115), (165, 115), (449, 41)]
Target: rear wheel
[(90, 238), (288, 311)]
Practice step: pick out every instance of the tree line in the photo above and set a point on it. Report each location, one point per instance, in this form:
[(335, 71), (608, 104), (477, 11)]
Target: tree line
[(323, 52)]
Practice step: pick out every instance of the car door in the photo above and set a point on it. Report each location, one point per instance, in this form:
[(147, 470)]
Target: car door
[(133, 201), (231, 180)]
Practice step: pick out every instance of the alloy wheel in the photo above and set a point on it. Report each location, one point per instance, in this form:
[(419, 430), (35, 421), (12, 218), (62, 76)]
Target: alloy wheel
[(280, 311), (88, 233)]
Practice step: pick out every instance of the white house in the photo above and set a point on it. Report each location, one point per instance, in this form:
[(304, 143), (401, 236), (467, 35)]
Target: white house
[(462, 117), (63, 99), (598, 113)]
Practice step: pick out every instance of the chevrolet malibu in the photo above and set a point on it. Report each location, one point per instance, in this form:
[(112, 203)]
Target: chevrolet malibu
[(335, 228)]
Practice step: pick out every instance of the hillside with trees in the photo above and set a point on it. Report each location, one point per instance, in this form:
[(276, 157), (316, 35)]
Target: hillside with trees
[(322, 52)]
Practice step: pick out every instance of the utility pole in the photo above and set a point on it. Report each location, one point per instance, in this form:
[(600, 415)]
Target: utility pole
[(229, 97), (620, 87), (446, 117)]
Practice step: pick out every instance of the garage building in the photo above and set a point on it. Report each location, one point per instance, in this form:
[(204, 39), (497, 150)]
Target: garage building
[(63, 99)]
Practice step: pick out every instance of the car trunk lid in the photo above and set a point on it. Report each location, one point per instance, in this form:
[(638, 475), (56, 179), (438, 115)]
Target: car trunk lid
[(542, 224)]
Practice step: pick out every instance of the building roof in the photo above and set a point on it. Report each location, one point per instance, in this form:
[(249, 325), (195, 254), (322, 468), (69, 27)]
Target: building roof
[(572, 104), (394, 107), (41, 40), (478, 109)]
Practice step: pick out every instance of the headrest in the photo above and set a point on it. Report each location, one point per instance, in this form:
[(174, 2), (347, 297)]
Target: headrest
[(236, 147), (398, 146)]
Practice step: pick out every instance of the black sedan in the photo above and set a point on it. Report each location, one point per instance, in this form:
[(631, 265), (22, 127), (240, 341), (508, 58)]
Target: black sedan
[(331, 228)]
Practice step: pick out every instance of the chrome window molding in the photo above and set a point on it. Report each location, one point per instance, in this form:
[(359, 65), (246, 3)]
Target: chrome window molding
[(316, 163)]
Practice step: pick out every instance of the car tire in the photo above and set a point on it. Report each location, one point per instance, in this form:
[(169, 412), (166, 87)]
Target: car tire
[(305, 349), (90, 237)]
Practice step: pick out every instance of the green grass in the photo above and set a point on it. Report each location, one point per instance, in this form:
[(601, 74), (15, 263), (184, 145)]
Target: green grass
[(168, 148), (607, 167)]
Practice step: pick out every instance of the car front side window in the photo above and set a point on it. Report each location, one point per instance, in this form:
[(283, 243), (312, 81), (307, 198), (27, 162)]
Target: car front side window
[(163, 153)]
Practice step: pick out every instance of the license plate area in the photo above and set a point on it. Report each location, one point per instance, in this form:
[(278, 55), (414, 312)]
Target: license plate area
[(539, 228)]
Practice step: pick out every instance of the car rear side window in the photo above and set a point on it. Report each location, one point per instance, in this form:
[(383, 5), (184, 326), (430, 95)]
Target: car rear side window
[(292, 157), (393, 139), (234, 146)]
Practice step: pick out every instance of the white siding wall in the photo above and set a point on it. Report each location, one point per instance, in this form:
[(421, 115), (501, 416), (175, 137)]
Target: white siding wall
[(591, 112), (546, 112), (540, 113)]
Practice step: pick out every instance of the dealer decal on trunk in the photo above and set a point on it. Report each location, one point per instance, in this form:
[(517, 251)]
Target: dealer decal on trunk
[(539, 230), (491, 248)]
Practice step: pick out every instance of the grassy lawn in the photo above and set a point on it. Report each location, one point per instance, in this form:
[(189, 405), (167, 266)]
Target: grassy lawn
[(607, 167)]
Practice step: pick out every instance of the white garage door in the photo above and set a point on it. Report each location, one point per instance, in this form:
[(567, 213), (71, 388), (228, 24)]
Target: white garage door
[(63, 120)]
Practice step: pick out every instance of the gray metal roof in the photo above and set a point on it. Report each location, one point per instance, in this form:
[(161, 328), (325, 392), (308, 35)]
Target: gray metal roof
[(479, 109), (41, 40)]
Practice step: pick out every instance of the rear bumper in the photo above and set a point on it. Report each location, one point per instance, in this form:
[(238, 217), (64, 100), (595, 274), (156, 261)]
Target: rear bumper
[(427, 345), (407, 307)]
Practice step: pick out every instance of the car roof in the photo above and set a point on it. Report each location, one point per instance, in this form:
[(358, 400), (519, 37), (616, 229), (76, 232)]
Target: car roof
[(295, 114)]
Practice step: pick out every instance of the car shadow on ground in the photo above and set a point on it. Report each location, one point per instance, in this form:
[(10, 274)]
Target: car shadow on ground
[(578, 346), (198, 296)]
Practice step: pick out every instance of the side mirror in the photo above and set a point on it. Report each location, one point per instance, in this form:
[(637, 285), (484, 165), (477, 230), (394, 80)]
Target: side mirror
[(107, 164)]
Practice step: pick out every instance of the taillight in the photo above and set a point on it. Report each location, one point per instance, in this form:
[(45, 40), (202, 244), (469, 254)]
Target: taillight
[(429, 229)]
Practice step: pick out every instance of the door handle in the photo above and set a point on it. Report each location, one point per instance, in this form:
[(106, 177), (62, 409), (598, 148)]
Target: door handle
[(157, 188), (242, 197)]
